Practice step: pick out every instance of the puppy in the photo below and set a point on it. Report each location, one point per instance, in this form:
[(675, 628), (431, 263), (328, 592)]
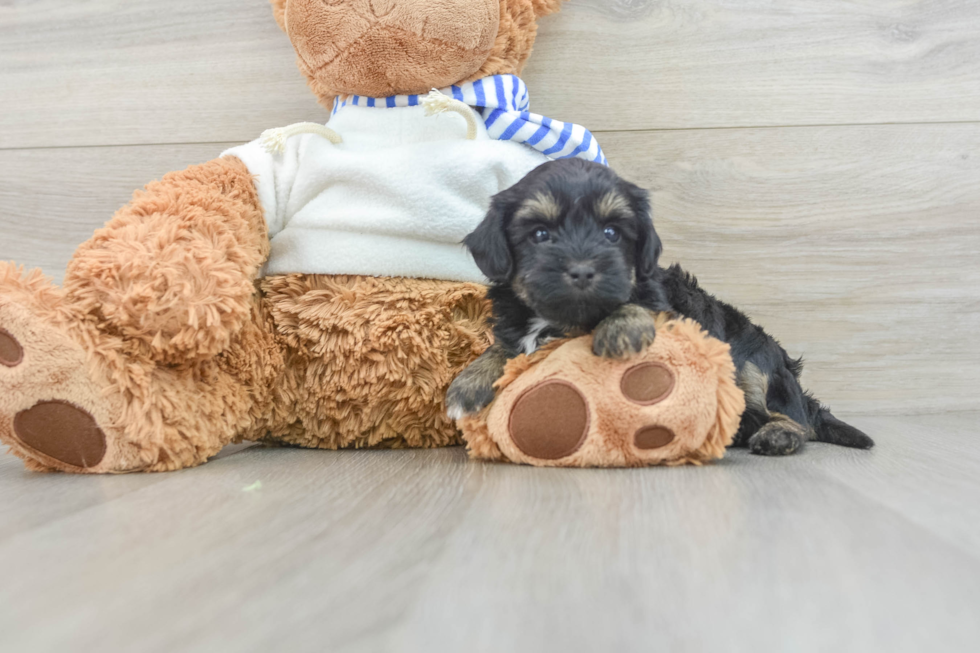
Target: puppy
[(571, 249)]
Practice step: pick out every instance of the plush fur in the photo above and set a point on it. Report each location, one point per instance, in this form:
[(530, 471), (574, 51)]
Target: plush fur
[(368, 360), (168, 338), (572, 249), (173, 270)]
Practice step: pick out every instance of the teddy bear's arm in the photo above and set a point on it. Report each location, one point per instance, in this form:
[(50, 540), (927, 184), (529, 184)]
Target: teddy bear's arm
[(174, 269)]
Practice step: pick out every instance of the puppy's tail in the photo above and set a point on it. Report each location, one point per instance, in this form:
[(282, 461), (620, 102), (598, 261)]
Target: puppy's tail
[(828, 428)]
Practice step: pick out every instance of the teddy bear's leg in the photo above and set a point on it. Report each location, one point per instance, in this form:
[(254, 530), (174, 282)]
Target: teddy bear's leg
[(370, 359), (157, 352)]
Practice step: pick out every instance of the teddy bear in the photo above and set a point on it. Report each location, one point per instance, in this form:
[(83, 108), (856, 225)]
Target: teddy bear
[(308, 288)]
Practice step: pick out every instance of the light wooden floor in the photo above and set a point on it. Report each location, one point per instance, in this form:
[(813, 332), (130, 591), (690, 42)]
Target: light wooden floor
[(292, 550), (816, 162)]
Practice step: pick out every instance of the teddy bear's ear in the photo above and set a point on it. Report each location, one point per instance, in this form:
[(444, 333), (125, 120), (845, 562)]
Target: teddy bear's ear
[(279, 11), (545, 7)]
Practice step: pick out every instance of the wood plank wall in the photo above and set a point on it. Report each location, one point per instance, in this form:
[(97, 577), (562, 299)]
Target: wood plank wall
[(816, 162)]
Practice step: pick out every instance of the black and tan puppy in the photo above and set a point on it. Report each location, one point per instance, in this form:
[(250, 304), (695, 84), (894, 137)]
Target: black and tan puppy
[(571, 249)]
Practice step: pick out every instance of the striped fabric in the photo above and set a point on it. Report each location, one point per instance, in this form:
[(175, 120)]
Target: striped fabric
[(502, 101)]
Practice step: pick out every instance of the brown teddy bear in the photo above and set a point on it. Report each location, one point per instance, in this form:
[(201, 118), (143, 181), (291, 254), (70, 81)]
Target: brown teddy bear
[(308, 288)]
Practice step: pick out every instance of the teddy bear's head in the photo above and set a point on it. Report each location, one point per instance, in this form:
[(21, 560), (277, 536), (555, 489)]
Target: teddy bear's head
[(379, 48)]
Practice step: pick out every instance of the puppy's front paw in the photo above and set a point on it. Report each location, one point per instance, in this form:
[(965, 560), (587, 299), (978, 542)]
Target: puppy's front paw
[(628, 331), (468, 394)]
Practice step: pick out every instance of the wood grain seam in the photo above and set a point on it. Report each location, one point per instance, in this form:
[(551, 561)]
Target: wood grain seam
[(594, 131)]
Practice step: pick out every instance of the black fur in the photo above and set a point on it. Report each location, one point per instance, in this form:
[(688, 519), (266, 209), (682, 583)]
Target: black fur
[(580, 277), (751, 344), (525, 274)]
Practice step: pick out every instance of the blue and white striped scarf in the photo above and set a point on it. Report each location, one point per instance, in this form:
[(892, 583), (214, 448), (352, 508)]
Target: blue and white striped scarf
[(502, 101)]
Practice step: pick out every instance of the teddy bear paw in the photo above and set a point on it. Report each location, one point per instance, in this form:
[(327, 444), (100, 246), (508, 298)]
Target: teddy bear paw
[(674, 402), (555, 419), (568, 420), (51, 409)]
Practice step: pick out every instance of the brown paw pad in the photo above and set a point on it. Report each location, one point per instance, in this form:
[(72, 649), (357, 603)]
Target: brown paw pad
[(11, 353), (63, 432), (653, 437), (647, 384), (550, 421)]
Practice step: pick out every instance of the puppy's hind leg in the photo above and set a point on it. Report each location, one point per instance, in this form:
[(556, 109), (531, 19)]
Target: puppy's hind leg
[(765, 432)]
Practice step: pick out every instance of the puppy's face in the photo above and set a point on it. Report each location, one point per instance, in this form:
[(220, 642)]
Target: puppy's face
[(572, 239)]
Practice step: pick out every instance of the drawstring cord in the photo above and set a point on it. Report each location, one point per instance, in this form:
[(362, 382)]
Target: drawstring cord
[(274, 140), (437, 102)]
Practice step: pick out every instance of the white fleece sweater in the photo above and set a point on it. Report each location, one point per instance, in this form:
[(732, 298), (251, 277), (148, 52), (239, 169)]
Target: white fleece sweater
[(396, 198)]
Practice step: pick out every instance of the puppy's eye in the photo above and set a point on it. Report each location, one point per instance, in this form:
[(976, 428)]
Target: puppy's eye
[(612, 234), (541, 236)]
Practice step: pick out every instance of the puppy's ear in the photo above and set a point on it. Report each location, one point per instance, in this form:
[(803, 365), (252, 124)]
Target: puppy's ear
[(488, 242), (648, 245)]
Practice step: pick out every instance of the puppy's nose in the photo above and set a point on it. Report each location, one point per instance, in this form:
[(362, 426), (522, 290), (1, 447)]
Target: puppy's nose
[(581, 275)]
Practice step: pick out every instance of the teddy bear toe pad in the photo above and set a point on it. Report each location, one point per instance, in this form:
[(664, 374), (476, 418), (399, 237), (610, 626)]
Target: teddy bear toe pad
[(63, 432), (11, 353), (550, 421), (653, 437), (647, 383)]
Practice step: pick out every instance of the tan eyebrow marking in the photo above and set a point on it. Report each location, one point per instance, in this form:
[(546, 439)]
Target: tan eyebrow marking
[(611, 204), (541, 206)]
